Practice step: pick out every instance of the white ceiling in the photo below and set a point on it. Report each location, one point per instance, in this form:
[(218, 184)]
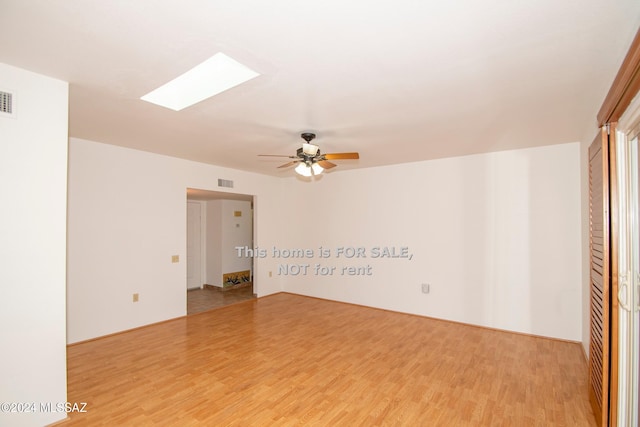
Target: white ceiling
[(397, 81)]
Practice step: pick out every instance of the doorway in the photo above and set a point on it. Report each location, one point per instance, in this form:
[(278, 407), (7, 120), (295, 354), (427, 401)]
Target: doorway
[(218, 222)]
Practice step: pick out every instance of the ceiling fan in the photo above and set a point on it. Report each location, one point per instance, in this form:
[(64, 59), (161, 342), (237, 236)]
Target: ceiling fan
[(309, 158)]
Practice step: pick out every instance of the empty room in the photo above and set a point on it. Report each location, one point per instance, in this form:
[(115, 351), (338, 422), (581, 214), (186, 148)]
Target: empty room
[(408, 213)]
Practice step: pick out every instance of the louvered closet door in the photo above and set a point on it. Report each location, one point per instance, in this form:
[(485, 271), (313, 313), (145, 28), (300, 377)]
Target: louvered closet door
[(599, 349)]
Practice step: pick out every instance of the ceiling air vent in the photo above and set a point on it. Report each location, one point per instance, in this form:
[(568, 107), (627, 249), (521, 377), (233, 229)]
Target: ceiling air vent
[(6, 103), (225, 183)]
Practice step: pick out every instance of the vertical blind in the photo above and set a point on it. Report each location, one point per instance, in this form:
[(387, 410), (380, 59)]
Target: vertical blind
[(599, 276)]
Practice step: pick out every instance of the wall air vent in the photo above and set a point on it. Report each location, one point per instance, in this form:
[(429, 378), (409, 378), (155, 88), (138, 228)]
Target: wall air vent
[(225, 183), (6, 103)]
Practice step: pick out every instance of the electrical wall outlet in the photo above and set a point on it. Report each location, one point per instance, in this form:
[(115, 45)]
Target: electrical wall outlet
[(136, 297), (425, 288)]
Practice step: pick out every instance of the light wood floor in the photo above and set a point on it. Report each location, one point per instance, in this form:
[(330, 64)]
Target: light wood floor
[(292, 360)]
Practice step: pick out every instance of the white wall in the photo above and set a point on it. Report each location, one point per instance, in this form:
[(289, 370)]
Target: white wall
[(213, 239), (127, 217), (33, 190), (236, 231), (497, 236), (196, 244), (224, 232)]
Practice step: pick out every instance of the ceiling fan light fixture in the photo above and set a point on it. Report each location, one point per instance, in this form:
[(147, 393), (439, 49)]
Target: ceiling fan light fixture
[(306, 170), (310, 149), (308, 159), (303, 169)]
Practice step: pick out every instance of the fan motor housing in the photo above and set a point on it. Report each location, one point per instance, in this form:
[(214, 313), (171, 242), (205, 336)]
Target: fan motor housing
[(308, 136)]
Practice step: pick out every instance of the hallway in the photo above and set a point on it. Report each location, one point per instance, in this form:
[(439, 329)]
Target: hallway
[(199, 300)]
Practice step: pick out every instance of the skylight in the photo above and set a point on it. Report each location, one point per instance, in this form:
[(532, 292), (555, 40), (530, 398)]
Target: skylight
[(213, 76)]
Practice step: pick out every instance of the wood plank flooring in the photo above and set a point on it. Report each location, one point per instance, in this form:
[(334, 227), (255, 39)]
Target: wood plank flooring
[(290, 360)]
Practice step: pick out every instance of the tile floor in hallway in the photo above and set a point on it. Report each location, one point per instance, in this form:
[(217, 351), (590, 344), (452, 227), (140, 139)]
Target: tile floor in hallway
[(199, 300)]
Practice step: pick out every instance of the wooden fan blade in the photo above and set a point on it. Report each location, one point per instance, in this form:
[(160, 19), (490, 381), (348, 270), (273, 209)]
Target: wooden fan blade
[(286, 165), (326, 164), (277, 155), (338, 156)]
